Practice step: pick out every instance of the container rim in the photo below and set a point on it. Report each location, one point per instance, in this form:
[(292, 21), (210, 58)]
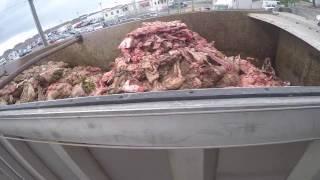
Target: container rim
[(175, 95)]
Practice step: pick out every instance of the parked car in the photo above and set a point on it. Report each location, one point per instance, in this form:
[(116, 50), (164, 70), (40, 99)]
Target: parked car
[(270, 4), (24, 52), (318, 18), (176, 5), (222, 4)]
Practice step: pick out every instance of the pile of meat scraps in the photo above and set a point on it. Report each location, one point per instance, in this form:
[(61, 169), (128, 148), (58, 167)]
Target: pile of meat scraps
[(163, 56), (53, 80), (158, 56)]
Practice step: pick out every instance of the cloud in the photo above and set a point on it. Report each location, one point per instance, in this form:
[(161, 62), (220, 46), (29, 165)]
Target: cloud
[(16, 19), (11, 42), (3, 4)]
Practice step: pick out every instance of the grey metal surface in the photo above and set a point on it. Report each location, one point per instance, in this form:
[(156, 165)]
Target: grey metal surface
[(6, 172), (191, 94), (123, 164), (17, 171), (302, 28), (53, 161), (268, 162), (271, 162), (178, 124), (190, 164), (66, 159), (29, 160), (308, 167), (86, 162)]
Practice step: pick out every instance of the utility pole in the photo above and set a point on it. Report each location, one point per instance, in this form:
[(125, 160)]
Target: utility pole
[(135, 7), (168, 7), (100, 4), (192, 5), (37, 22)]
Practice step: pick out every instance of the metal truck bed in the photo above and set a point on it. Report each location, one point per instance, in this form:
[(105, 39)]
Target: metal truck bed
[(208, 134)]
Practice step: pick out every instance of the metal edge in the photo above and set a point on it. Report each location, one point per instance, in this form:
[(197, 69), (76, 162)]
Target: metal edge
[(192, 94)]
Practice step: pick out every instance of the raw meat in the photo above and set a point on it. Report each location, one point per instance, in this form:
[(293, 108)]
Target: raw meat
[(159, 56), (168, 56)]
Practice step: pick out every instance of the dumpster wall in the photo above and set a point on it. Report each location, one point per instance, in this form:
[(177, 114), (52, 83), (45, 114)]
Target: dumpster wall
[(232, 31), (297, 61)]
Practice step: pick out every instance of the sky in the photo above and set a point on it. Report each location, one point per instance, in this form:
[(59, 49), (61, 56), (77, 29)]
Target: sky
[(16, 21)]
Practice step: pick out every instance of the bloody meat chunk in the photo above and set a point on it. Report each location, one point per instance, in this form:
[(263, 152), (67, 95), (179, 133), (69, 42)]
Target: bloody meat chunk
[(158, 56)]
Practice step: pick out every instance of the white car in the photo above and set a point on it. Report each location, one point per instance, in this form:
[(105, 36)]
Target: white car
[(270, 4), (223, 4), (318, 18)]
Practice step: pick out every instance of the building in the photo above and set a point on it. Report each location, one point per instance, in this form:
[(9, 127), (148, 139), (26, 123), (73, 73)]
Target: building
[(138, 7), (232, 4), (157, 5), (13, 55), (143, 6), (2, 61), (119, 11)]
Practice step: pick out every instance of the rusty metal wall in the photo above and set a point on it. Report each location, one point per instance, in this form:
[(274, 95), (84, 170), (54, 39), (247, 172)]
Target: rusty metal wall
[(232, 31), (297, 61)]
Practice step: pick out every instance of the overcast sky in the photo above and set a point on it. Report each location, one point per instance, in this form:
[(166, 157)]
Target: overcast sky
[(16, 22)]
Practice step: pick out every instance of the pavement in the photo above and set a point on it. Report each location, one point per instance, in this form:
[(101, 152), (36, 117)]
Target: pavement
[(306, 10)]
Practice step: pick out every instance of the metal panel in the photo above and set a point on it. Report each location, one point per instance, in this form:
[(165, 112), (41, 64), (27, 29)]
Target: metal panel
[(181, 95), (302, 28), (4, 176), (53, 161), (269, 162), (134, 164), (86, 162), (178, 124), (67, 160), (28, 159), (14, 165), (190, 164), (308, 167), (273, 162), (7, 172)]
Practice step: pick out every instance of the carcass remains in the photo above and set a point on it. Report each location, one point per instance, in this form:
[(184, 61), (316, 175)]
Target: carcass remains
[(159, 56)]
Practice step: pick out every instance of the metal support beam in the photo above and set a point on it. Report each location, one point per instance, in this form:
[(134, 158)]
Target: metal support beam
[(5, 177), (7, 171), (37, 22), (86, 162), (308, 168), (18, 172), (66, 159), (190, 164), (21, 159), (21, 149)]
